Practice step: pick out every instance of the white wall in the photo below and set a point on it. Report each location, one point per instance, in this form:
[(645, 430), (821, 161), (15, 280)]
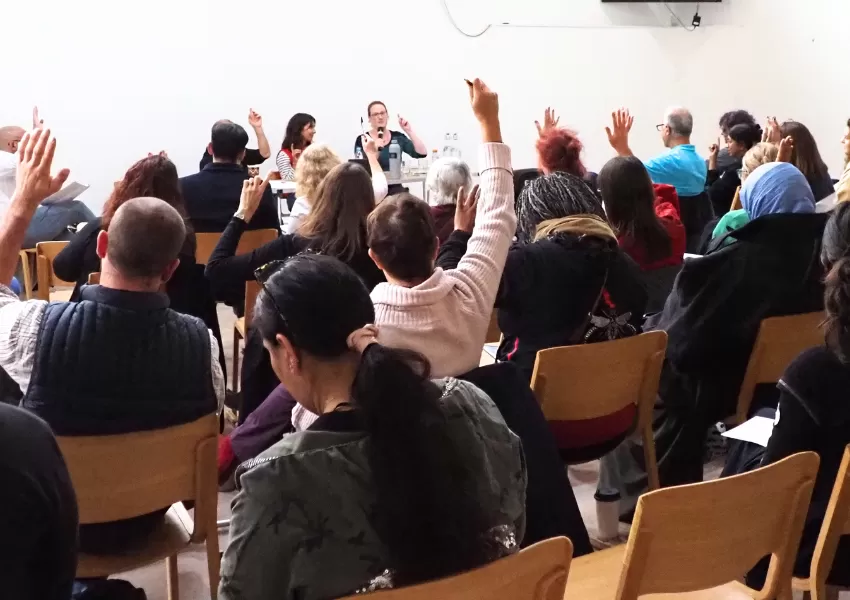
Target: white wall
[(116, 80)]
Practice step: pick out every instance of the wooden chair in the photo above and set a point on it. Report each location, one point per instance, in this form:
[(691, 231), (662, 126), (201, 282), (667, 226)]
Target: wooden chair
[(122, 476), (251, 240), (835, 524), (26, 271), (94, 278), (779, 341), (240, 327), (494, 334), (538, 572), (589, 381), (45, 253), (704, 538)]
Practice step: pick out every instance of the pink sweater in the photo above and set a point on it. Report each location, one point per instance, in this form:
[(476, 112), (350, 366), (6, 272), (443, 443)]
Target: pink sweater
[(446, 317)]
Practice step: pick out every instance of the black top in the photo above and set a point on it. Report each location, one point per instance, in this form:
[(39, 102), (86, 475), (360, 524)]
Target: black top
[(821, 186), (814, 414), (38, 511), (212, 196), (252, 157), (384, 155), (721, 187), (224, 268)]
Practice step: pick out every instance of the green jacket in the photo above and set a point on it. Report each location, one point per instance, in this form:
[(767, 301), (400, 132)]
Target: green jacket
[(301, 528)]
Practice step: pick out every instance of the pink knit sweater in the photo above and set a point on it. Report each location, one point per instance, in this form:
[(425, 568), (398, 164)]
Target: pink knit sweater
[(445, 318)]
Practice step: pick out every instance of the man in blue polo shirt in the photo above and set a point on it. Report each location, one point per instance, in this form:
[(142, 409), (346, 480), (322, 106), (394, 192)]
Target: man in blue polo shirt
[(680, 166)]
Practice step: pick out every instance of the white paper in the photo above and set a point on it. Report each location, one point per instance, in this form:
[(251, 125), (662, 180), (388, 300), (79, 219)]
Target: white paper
[(687, 255), (757, 430), (491, 349), (66, 194)]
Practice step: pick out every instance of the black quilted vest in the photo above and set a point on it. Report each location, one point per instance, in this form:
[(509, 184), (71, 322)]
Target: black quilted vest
[(117, 362)]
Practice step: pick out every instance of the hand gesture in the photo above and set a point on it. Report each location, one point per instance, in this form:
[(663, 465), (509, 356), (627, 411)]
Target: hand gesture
[(36, 122), (772, 132), (485, 102), (622, 123), (161, 153), (786, 149), (254, 119), (549, 122), (467, 205), (370, 147), (296, 154), (404, 124), (252, 194), (33, 182)]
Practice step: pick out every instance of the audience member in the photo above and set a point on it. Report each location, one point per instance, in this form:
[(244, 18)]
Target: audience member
[(38, 511), (410, 144), (10, 137), (565, 265), (680, 166), (712, 318), (252, 157), (842, 188), (119, 360), (727, 121), (722, 185), (559, 149), (446, 178), (647, 226), (299, 135), (313, 166), (807, 158), (430, 310), (399, 481), (212, 195), (813, 414)]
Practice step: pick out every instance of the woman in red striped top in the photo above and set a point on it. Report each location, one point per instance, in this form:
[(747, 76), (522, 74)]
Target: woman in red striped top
[(299, 134)]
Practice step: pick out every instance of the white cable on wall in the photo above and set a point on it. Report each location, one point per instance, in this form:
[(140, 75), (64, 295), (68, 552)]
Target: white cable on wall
[(452, 21)]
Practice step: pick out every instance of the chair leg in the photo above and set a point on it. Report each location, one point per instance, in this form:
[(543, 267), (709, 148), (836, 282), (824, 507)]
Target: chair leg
[(235, 384), (173, 578), (213, 562)]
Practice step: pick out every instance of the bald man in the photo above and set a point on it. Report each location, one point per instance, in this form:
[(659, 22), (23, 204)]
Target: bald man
[(10, 137), (119, 360)]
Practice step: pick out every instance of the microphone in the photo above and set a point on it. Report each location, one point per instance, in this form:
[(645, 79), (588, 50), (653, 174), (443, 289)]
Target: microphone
[(380, 133)]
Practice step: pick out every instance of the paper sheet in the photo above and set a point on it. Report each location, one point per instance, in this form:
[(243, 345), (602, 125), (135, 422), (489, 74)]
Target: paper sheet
[(491, 349), (757, 430), (67, 193)]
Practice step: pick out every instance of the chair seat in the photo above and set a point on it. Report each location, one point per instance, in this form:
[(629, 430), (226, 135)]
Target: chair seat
[(168, 539), (595, 576), (61, 295), (240, 326)]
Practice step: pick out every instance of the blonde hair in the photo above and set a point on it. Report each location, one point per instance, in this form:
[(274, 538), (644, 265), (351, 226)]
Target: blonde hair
[(760, 154), (313, 166)]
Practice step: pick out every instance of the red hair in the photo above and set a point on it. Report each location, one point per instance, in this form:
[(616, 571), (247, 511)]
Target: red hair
[(154, 176), (560, 150)]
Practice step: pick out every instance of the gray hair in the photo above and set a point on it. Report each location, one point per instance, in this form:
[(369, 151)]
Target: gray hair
[(445, 178), (680, 120)]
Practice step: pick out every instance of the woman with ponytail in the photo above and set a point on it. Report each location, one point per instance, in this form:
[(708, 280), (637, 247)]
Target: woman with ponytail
[(814, 411), (400, 480)]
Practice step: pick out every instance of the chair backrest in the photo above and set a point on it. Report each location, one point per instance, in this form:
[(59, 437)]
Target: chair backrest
[(251, 240), (588, 381), (45, 253), (94, 278), (779, 341), (538, 572), (252, 290), (122, 476), (836, 523), (494, 334), (699, 536)]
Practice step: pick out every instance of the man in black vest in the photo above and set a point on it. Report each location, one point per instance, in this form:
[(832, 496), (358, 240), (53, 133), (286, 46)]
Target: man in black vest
[(119, 360)]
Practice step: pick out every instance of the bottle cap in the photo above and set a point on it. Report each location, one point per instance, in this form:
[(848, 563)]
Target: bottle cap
[(606, 495)]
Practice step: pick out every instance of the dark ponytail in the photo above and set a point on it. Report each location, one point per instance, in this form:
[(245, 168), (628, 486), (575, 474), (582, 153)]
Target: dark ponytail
[(425, 512), (835, 256)]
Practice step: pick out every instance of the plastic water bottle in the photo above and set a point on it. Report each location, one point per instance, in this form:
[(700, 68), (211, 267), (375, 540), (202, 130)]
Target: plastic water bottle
[(395, 160), (435, 155), (607, 513), (358, 154), (456, 147)]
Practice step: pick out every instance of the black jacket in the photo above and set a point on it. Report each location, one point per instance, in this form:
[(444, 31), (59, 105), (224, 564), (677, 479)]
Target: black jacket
[(212, 196), (548, 287), (721, 187)]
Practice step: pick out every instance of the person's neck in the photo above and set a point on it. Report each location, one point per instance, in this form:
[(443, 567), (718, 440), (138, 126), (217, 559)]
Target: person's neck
[(333, 385), (406, 283), (679, 141), (223, 161), (110, 278)]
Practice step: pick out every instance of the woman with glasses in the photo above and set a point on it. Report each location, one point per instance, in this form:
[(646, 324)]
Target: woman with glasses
[(400, 480), (410, 143), (721, 186)]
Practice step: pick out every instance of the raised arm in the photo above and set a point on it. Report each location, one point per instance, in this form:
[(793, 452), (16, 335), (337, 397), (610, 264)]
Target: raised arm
[(418, 145), (256, 123), (618, 134), (379, 180)]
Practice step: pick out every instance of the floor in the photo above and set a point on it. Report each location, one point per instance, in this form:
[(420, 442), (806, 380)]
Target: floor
[(193, 578)]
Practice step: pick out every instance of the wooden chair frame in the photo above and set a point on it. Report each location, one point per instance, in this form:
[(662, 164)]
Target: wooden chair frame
[(45, 253), (584, 391)]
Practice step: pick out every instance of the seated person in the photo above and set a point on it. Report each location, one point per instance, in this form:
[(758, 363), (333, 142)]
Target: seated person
[(154, 177), (119, 360), (38, 511), (647, 225), (379, 117), (722, 185), (401, 480), (806, 157), (299, 135), (450, 309), (842, 188), (212, 195), (728, 120), (446, 177), (10, 137), (712, 318), (252, 157), (813, 414), (564, 265), (559, 150)]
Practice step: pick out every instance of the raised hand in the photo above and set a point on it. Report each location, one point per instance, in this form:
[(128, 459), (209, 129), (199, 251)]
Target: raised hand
[(786, 149), (404, 124), (370, 147), (252, 194), (33, 182), (772, 132), (37, 123), (467, 207), (549, 121), (618, 134), (485, 105), (254, 119), (713, 151)]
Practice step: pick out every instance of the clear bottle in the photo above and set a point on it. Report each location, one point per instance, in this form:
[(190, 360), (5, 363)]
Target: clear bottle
[(435, 155), (456, 146), (395, 160)]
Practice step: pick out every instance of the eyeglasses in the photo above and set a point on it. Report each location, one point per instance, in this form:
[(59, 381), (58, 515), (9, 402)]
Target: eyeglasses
[(383, 113), (660, 126)]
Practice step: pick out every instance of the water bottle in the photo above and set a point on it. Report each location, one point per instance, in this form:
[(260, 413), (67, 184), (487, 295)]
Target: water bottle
[(607, 513), (456, 147), (358, 153), (395, 160), (435, 155)]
